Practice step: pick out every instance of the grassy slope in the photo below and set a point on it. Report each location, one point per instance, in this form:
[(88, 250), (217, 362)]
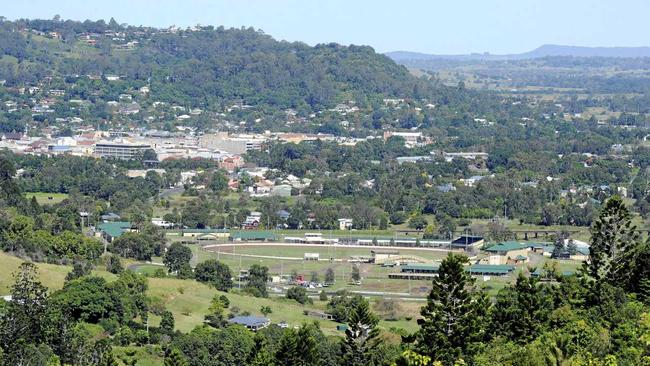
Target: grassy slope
[(187, 300), (52, 275)]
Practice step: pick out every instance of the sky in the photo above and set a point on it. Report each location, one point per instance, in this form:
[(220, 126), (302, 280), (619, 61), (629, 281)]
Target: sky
[(433, 26)]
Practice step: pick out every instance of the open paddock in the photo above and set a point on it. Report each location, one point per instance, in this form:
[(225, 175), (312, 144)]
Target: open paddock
[(44, 198)]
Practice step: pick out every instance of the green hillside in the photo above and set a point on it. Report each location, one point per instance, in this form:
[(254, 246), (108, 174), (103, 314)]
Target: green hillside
[(204, 66)]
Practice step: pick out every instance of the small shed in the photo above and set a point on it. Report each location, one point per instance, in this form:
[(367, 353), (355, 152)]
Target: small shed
[(311, 256), (318, 314)]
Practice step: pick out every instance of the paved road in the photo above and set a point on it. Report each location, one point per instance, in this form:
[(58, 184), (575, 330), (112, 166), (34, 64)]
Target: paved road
[(134, 266)]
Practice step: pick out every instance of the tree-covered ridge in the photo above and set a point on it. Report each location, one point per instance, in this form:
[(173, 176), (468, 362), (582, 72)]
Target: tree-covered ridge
[(207, 64)]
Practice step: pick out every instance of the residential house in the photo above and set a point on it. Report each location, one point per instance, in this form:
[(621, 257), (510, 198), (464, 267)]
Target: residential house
[(449, 156), (231, 163), (253, 323), (261, 188), (412, 159), (446, 188), (283, 214), (113, 230), (252, 221), (471, 181)]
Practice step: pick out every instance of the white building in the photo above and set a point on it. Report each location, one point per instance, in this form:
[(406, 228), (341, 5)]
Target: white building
[(345, 224), (162, 223), (411, 139)]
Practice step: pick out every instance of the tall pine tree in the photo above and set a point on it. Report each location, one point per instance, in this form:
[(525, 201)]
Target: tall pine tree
[(298, 347), (454, 317), (614, 243), (360, 337), (640, 278), (520, 311)]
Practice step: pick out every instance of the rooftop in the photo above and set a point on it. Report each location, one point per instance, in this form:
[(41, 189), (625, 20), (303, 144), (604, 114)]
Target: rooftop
[(114, 229), (205, 231), (506, 247), (250, 321), (496, 269), (253, 235), (420, 267), (467, 239)]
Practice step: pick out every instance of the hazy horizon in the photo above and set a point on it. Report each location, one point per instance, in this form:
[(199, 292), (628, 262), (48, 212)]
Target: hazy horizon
[(496, 26)]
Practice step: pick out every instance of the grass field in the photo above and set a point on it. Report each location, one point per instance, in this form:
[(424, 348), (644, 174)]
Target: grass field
[(44, 198)]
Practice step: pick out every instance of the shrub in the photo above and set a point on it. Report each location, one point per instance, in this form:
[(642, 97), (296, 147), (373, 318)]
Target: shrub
[(299, 294)]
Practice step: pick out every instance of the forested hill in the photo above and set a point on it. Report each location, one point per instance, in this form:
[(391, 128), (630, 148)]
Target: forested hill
[(203, 64)]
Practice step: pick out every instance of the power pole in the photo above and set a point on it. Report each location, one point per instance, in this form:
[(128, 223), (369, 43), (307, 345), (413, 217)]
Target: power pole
[(239, 285)]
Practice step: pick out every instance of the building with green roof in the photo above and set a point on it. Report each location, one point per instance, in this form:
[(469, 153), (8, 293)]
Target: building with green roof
[(508, 252), (490, 269), (114, 229), (420, 268), (506, 246), (253, 235)]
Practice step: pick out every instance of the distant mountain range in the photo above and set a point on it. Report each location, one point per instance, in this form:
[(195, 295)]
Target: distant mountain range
[(543, 51)]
